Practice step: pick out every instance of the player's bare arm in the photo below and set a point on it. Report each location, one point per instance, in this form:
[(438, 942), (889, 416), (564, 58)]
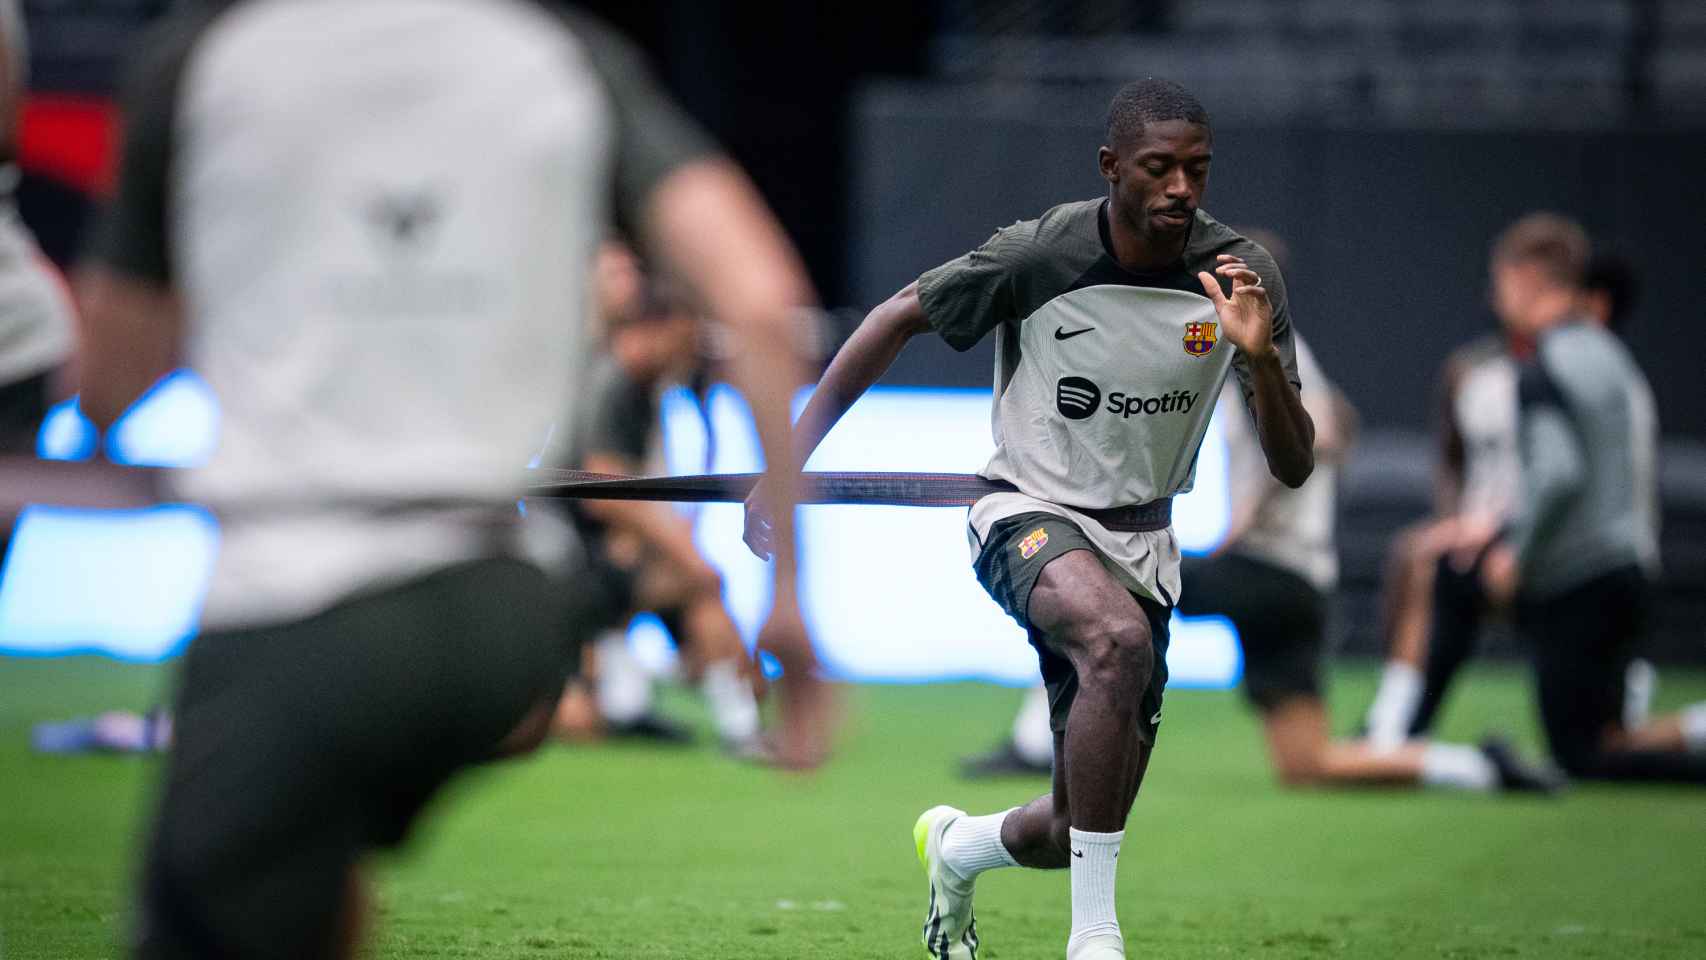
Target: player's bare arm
[(131, 336), (861, 360), (713, 228), (1285, 428), (709, 223)]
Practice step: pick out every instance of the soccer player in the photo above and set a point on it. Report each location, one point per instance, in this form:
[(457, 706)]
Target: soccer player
[(638, 555), (1113, 336), (1578, 563), (368, 226)]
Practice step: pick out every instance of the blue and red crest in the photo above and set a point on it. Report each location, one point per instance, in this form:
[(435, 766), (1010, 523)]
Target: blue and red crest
[(1200, 338)]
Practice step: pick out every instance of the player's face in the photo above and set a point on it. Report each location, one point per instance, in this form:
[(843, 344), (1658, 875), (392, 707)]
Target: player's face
[(1159, 179), (1516, 287)]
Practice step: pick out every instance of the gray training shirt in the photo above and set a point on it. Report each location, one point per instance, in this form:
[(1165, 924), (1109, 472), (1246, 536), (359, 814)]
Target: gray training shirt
[(1589, 437), (1105, 379)]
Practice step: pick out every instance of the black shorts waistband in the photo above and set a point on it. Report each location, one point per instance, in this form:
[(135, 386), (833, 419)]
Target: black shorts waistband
[(1136, 518)]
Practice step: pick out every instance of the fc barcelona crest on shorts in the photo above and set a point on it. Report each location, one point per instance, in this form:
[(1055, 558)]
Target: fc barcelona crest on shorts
[(1199, 338), (1034, 541)]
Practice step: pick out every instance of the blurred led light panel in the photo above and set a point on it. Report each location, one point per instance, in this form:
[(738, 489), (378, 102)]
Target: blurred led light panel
[(889, 591), (128, 583)]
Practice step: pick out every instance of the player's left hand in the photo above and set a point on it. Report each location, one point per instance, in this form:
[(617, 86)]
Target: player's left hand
[(1246, 317)]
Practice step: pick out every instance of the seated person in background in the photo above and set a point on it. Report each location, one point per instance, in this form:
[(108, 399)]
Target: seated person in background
[(1578, 563), (640, 556)]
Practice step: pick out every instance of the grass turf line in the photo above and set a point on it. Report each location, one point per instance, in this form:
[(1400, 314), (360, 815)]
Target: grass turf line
[(622, 851)]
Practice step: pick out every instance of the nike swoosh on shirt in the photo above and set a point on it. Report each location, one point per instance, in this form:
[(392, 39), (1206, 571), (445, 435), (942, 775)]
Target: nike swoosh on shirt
[(1061, 334)]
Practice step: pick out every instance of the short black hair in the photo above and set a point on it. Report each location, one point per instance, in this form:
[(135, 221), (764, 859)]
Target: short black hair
[(1614, 276), (1150, 100)]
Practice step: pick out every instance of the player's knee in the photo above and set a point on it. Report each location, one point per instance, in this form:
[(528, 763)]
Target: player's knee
[(1116, 650)]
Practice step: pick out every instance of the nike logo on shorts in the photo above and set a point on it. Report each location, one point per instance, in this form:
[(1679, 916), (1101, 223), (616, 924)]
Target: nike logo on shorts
[(1060, 333), (1155, 719)]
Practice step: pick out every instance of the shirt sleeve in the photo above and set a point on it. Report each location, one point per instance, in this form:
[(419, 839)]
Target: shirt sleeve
[(654, 136), (133, 236), (967, 297), (1284, 340), (1553, 462)]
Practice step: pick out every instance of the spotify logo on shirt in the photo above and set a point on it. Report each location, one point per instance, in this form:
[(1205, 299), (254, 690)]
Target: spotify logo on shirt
[(1077, 397)]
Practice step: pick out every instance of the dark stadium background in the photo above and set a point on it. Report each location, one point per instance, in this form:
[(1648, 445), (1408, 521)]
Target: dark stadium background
[(1386, 142)]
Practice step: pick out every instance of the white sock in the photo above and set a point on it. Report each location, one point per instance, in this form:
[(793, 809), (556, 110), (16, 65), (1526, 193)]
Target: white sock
[(624, 687), (733, 709), (1640, 682), (1032, 737), (1394, 705), (1458, 766), (1095, 861), (972, 845), (1694, 727)]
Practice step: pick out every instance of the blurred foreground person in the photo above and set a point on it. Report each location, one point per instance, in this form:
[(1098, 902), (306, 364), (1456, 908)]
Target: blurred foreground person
[(36, 317), (1113, 336), (364, 225), (1579, 561), (636, 555)]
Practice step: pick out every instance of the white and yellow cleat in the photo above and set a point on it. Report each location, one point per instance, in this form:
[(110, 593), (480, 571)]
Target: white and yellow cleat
[(950, 929)]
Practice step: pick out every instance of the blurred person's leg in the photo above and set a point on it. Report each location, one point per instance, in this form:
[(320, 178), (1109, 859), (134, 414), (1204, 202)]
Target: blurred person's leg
[(712, 652), (1028, 749), (1406, 612), (1281, 621), (302, 746), (1581, 645), (1458, 606)]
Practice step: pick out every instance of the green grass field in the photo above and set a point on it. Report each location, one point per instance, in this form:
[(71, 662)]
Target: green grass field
[(623, 852)]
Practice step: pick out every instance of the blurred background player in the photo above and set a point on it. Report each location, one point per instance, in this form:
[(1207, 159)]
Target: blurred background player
[(640, 555), (36, 316), (1435, 602), (1580, 558), (379, 266)]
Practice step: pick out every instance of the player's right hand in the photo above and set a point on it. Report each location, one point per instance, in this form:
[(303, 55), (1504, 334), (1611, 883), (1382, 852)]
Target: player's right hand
[(760, 523)]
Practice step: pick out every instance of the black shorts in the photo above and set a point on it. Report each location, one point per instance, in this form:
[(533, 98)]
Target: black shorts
[(1583, 640), (23, 406), (1281, 620), (1008, 566), (300, 746)]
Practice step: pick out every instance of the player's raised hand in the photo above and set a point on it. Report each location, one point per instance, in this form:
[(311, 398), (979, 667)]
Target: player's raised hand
[(1247, 317)]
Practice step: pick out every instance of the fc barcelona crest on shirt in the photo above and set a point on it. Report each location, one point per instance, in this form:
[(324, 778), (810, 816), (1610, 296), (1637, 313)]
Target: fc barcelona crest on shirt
[(1199, 338), (1034, 541)]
